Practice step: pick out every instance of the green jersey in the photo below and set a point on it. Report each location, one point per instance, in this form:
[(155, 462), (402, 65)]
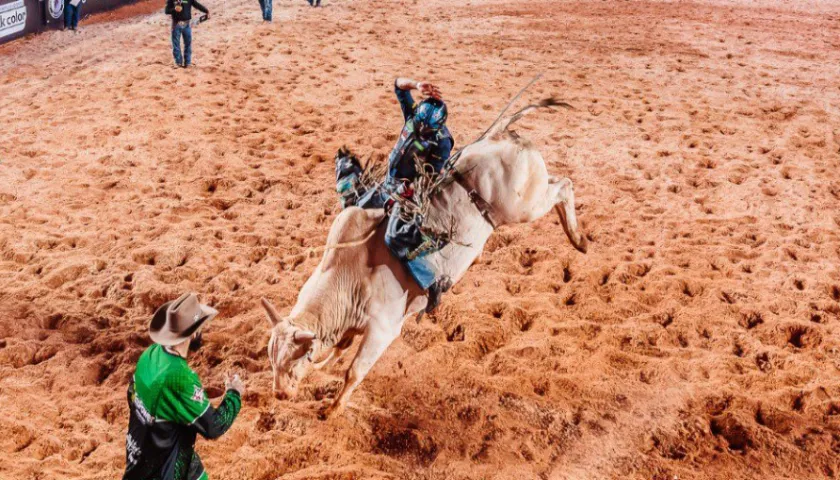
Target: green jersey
[(168, 407)]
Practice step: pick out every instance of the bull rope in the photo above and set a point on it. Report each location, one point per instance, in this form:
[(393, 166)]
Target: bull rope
[(338, 246)]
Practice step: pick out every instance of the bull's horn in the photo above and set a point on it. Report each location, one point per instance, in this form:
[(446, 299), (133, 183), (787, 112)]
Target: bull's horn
[(270, 311), (303, 336)]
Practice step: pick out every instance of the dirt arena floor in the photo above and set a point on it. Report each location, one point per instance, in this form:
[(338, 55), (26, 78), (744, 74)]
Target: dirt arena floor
[(698, 338)]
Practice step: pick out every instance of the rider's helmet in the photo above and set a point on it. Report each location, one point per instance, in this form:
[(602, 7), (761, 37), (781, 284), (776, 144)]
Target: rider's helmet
[(430, 116)]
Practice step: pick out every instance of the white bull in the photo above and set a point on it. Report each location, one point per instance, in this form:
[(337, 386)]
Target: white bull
[(364, 290)]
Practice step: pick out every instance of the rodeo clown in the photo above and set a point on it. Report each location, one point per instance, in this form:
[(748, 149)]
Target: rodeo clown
[(167, 403), (424, 136)]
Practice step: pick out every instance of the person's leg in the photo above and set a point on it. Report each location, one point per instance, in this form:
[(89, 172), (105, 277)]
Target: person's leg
[(187, 46), (267, 11), (196, 471), (176, 45), (77, 13), (68, 16), (262, 8)]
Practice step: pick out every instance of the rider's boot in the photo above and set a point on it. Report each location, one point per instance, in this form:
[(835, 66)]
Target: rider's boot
[(436, 290)]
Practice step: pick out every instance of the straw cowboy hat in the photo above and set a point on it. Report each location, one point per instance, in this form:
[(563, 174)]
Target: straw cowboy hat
[(176, 321)]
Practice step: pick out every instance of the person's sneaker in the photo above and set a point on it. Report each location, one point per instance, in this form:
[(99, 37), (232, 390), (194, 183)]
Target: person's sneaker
[(436, 291)]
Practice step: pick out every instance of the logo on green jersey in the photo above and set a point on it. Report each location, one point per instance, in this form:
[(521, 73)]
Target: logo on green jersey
[(198, 394)]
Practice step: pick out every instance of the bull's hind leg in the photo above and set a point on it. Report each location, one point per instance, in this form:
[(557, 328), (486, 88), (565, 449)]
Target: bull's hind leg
[(562, 195), (559, 195)]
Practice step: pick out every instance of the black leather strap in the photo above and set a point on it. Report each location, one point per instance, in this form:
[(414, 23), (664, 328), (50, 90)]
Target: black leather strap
[(483, 207)]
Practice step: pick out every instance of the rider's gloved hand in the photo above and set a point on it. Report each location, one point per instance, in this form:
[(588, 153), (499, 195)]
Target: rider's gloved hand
[(429, 90), (404, 190)]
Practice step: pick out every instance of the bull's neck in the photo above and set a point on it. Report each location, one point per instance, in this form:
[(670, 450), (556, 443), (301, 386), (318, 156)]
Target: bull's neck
[(332, 313), (312, 323)]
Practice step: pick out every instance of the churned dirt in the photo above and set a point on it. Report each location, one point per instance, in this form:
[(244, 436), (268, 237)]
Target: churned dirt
[(698, 339)]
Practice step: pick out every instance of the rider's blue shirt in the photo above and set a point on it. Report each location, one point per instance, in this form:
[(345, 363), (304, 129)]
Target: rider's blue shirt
[(434, 152)]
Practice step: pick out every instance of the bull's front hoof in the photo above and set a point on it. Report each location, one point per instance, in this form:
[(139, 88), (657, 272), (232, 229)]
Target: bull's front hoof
[(329, 411)]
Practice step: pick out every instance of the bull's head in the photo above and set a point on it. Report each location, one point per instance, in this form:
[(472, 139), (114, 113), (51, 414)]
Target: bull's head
[(290, 351)]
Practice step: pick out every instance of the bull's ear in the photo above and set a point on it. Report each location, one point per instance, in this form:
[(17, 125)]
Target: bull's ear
[(303, 336), (270, 312)]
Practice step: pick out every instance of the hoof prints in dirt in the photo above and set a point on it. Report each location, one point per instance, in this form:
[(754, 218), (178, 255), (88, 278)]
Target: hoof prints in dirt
[(730, 429), (802, 336), (403, 441), (750, 320)]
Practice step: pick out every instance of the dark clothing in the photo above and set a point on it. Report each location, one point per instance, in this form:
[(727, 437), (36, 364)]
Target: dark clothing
[(185, 15), (265, 6), (433, 151), (404, 237), (71, 15), (402, 167), (407, 242), (168, 409), (348, 174), (180, 30)]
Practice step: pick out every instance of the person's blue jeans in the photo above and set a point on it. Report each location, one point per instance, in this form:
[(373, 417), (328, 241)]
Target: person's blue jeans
[(184, 31), (314, 3), (71, 15), (265, 6)]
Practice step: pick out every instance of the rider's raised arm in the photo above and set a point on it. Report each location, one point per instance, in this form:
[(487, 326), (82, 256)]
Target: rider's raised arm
[(402, 88)]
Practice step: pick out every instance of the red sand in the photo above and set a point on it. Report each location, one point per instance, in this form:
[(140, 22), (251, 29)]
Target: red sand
[(697, 340)]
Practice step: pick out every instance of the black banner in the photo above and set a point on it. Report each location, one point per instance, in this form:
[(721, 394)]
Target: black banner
[(18, 18), (22, 17), (53, 13)]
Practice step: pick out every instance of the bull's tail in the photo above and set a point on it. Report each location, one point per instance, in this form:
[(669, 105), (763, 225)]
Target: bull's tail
[(503, 125)]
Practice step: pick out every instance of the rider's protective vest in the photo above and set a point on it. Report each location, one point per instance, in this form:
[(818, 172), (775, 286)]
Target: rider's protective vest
[(433, 152)]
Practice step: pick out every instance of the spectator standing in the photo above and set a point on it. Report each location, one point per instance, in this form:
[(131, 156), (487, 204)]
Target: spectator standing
[(181, 12), (265, 6), (72, 12)]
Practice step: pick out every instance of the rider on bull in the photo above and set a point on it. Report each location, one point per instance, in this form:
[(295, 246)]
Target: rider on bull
[(425, 137)]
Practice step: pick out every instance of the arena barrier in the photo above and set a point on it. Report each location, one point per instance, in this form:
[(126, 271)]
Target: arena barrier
[(23, 17)]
